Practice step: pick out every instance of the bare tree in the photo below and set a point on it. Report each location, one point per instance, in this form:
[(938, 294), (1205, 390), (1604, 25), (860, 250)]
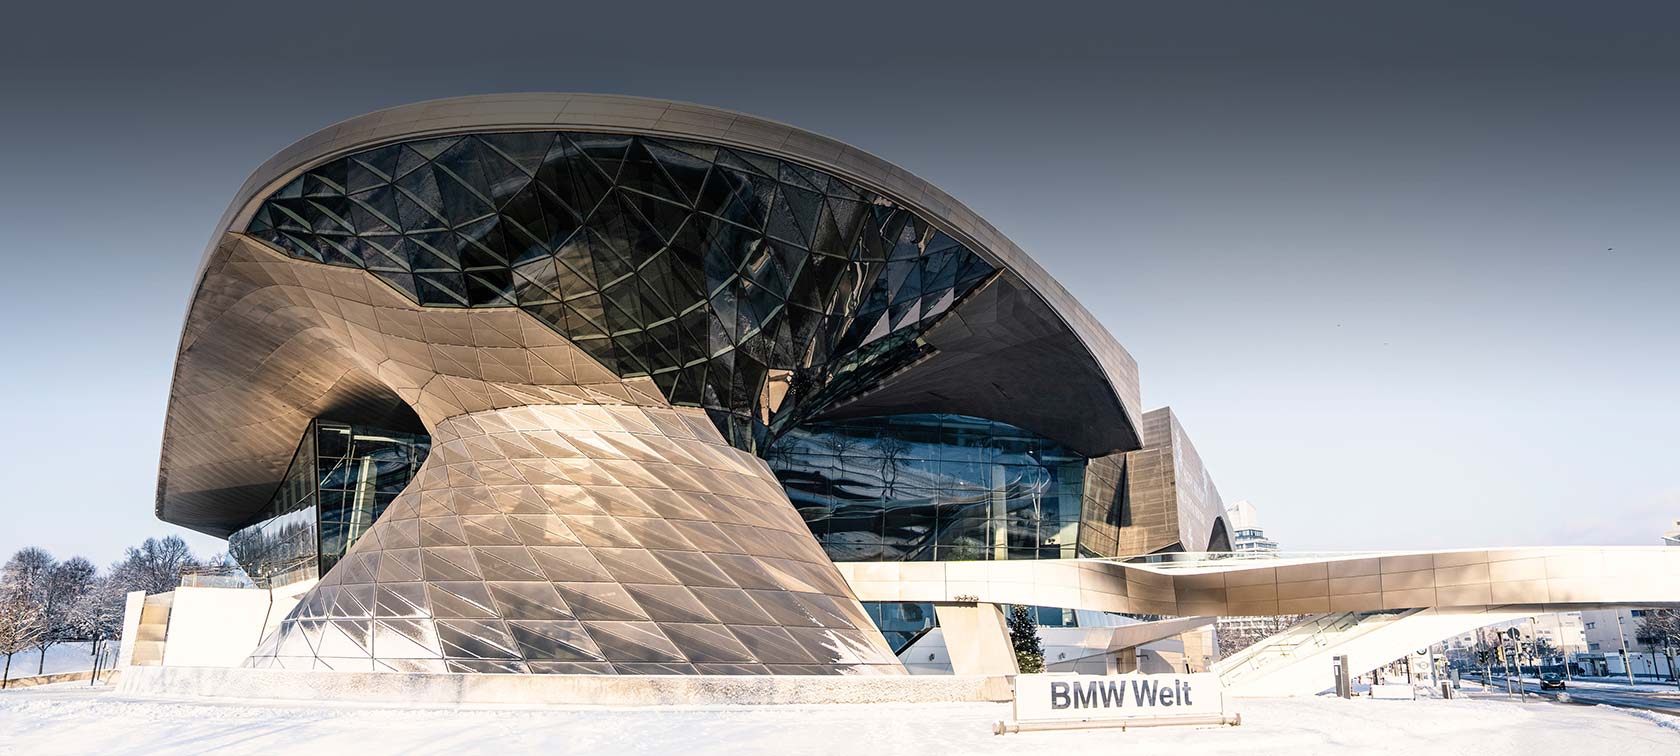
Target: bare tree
[(893, 453), (1238, 633), (1660, 628), (154, 566), (97, 613), (64, 583), (28, 570), (20, 622), (841, 444), (27, 578)]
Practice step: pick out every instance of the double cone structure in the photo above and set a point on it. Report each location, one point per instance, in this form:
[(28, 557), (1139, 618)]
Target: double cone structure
[(601, 311)]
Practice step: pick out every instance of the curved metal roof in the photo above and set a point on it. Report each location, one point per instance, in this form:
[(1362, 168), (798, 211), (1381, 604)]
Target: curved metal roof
[(1021, 350)]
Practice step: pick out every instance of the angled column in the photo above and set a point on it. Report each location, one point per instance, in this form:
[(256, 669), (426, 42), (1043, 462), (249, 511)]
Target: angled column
[(583, 539), (977, 638)]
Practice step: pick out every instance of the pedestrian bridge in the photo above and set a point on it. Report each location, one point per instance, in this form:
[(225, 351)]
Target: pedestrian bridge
[(1390, 602)]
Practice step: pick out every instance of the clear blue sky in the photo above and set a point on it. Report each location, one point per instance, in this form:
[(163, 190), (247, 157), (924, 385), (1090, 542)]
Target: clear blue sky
[(1409, 276)]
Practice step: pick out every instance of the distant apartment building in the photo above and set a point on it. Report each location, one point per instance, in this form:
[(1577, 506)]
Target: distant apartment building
[(1236, 633), (1563, 632), (1608, 629), (1246, 533)]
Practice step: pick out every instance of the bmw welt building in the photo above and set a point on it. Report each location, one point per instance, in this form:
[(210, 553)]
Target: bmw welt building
[(578, 384)]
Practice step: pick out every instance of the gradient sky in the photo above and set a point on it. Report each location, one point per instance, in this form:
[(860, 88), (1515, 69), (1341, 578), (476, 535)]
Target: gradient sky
[(1409, 276)]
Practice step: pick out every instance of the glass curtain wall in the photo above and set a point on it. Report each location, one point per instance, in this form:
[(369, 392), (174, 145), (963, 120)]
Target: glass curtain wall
[(930, 486), (757, 288), (282, 543), (901, 622), (340, 480)]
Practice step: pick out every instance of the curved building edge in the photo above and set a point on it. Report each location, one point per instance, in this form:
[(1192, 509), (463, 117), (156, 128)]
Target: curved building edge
[(671, 119)]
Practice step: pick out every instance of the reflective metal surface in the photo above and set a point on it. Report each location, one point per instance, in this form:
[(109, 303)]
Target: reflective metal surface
[(340, 480), (564, 521), (1560, 578), (1158, 498), (601, 539), (713, 271), (926, 487), (1097, 366), (598, 309)]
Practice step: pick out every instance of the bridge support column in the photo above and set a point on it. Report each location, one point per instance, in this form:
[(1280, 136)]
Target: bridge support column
[(977, 638)]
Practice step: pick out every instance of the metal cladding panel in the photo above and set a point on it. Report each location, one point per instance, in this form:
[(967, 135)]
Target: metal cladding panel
[(584, 538), (566, 521), (1109, 362), (283, 341), (1539, 580), (1200, 508), (1004, 355), (572, 525), (714, 271), (1158, 498)]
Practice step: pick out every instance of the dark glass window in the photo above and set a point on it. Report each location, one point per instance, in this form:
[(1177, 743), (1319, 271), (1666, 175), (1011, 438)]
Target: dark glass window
[(902, 623), (715, 271), (922, 487), (340, 480)]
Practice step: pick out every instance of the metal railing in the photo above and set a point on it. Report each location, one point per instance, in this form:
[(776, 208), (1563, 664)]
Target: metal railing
[(215, 576), (1311, 634), (1193, 559)]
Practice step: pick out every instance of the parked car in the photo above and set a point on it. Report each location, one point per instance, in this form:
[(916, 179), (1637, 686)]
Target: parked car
[(1550, 680)]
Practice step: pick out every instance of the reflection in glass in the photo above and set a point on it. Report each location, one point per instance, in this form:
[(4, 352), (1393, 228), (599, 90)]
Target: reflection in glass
[(339, 481), (901, 622), (755, 287), (923, 487)]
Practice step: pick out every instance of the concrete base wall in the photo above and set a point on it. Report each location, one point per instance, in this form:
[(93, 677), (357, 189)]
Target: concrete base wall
[(58, 677), (557, 690), (214, 627), (133, 604), (977, 639)]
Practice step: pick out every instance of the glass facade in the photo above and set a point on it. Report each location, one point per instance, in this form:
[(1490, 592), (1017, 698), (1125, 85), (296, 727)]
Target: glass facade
[(905, 487), (931, 487), (339, 481), (905, 622), (757, 288), (902, 623)]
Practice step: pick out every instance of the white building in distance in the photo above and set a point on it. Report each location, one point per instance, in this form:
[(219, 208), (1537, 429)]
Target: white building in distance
[(1246, 533), (1609, 631)]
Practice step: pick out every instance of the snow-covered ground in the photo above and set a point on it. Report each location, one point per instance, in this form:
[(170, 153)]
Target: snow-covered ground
[(64, 657), (1620, 683), (76, 719), (1591, 683)]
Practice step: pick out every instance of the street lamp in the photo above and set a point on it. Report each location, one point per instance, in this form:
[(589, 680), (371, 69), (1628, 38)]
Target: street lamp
[(1565, 649), (1627, 661), (1516, 650), (1668, 655)]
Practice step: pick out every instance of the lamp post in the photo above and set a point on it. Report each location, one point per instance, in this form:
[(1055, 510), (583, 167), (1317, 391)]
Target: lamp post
[(1627, 661), (1668, 654), (1516, 650), (1566, 665)]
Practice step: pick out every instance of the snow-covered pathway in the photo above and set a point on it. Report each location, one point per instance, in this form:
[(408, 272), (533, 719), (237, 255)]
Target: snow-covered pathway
[(59, 719)]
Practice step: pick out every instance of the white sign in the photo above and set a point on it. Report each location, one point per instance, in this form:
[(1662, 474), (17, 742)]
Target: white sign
[(1073, 698)]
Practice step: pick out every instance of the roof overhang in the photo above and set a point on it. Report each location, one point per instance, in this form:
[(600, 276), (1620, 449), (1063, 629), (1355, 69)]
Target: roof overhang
[(1051, 366)]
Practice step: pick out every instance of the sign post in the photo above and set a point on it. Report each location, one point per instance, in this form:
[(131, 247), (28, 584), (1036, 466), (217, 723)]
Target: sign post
[(1344, 685), (1068, 701)]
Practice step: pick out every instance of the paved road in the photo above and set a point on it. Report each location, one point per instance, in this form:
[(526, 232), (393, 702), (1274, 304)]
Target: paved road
[(1667, 703)]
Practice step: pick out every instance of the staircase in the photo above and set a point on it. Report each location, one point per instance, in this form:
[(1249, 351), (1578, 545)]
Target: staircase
[(1310, 637), (153, 629)]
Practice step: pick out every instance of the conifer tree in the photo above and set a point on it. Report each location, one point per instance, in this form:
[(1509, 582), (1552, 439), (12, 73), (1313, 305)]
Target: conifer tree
[(1023, 634)]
